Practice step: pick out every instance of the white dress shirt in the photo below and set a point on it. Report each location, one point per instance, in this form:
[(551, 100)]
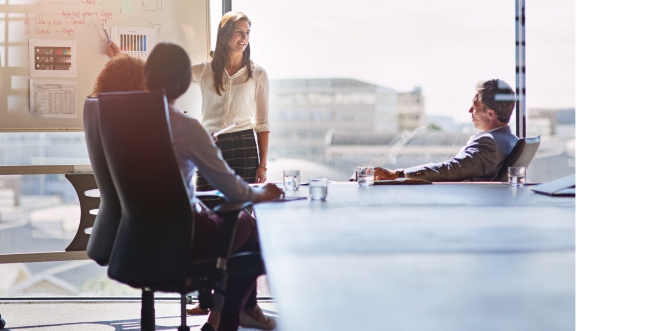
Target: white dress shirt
[(242, 102), (194, 149)]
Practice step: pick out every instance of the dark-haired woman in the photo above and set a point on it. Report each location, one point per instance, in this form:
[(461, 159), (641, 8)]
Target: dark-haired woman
[(235, 91), (168, 68)]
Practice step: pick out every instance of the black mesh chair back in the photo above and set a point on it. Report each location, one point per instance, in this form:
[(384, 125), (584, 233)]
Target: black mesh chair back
[(109, 212), (521, 156), (152, 246)]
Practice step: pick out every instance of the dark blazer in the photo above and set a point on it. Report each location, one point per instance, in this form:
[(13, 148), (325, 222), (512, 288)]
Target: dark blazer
[(479, 160)]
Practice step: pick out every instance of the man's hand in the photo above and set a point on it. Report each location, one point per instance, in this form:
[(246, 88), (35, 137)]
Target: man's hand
[(270, 192), (382, 173), (113, 50)]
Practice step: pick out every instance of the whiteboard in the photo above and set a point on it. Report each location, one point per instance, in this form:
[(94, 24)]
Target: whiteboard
[(77, 24)]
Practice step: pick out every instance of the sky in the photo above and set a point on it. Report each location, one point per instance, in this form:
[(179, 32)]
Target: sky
[(445, 47)]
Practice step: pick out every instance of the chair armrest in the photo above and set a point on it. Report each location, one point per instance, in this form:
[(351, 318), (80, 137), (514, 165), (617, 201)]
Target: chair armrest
[(229, 212), (211, 199), (213, 193), (228, 207)]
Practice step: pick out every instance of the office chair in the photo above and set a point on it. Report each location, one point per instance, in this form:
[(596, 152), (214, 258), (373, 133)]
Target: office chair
[(152, 246), (108, 217), (106, 222), (521, 156)]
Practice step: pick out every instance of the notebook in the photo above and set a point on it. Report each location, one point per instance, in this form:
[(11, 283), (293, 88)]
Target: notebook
[(285, 199), (564, 187), (401, 181)]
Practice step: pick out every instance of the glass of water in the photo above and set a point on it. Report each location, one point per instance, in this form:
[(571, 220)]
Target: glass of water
[(317, 188), (517, 176), (365, 175), (291, 180)]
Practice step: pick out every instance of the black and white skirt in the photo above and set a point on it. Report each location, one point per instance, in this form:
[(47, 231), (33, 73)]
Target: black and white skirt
[(239, 150)]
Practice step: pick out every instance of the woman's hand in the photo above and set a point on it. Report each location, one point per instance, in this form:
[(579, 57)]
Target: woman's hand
[(261, 174), (270, 192), (113, 50)]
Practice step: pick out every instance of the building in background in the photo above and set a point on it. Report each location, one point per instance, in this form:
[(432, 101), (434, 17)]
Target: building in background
[(448, 124), (410, 108), (546, 120), (346, 151), (302, 112), (556, 155)]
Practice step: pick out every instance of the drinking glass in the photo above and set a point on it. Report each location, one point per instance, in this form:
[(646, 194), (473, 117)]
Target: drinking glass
[(291, 179), (517, 176), (365, 175), (317, 188)]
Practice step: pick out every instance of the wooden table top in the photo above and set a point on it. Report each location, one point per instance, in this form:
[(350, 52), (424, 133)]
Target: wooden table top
[(409, 257)]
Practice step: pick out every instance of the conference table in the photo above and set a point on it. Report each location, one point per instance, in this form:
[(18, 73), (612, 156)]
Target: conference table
[(451, 256)]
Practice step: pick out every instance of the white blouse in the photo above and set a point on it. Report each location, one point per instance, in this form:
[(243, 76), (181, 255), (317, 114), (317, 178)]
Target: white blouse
[(194, 149), (243, 102)]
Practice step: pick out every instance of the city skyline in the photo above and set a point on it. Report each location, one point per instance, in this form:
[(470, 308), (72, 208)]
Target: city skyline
[(439, 47)]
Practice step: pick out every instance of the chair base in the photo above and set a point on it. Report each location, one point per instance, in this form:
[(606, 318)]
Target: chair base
[(147, 310)]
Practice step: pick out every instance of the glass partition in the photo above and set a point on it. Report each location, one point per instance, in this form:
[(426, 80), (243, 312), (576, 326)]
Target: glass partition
[(39, 214), (353, 82), (550, 39), (389, 83)]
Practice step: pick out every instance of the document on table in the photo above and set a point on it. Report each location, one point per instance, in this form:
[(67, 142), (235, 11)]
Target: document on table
[(285, 199), (401, 181)]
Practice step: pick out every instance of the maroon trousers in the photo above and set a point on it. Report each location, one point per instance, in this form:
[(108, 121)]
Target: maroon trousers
[(240, 292)]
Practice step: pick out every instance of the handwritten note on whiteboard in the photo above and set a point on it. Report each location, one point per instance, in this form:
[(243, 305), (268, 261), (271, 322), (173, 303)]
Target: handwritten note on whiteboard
[(53, 98), (80, 22)]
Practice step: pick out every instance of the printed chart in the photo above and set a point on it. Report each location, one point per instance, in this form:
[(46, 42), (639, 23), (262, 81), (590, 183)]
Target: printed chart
[(52, 58), (134, 41), (53, 98)]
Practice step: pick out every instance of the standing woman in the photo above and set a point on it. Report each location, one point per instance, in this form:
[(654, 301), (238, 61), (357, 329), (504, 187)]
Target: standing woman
[(235, 91)]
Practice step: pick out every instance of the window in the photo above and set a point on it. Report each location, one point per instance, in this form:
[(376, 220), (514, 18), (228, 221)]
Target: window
[(391, 71), (353, 82)]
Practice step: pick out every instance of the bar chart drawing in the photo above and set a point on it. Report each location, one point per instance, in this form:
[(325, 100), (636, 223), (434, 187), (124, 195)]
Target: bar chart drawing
[(53, 98), (134, 41)]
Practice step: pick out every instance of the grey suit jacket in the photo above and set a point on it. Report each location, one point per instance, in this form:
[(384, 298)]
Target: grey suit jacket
[(479, 160)]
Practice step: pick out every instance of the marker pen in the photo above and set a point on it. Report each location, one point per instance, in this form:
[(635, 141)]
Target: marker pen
[(106, 33)]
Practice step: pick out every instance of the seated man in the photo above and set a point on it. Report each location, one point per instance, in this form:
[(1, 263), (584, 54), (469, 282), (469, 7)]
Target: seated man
[(484, 153)]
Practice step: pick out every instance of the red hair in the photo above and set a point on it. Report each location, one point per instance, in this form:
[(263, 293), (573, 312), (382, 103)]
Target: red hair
[(122, 73)]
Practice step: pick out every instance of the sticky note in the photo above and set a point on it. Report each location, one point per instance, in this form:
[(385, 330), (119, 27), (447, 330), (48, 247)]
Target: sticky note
[(126, 6)]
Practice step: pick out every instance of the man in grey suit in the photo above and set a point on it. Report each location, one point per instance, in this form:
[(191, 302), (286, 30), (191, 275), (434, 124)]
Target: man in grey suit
[(484, 153)]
